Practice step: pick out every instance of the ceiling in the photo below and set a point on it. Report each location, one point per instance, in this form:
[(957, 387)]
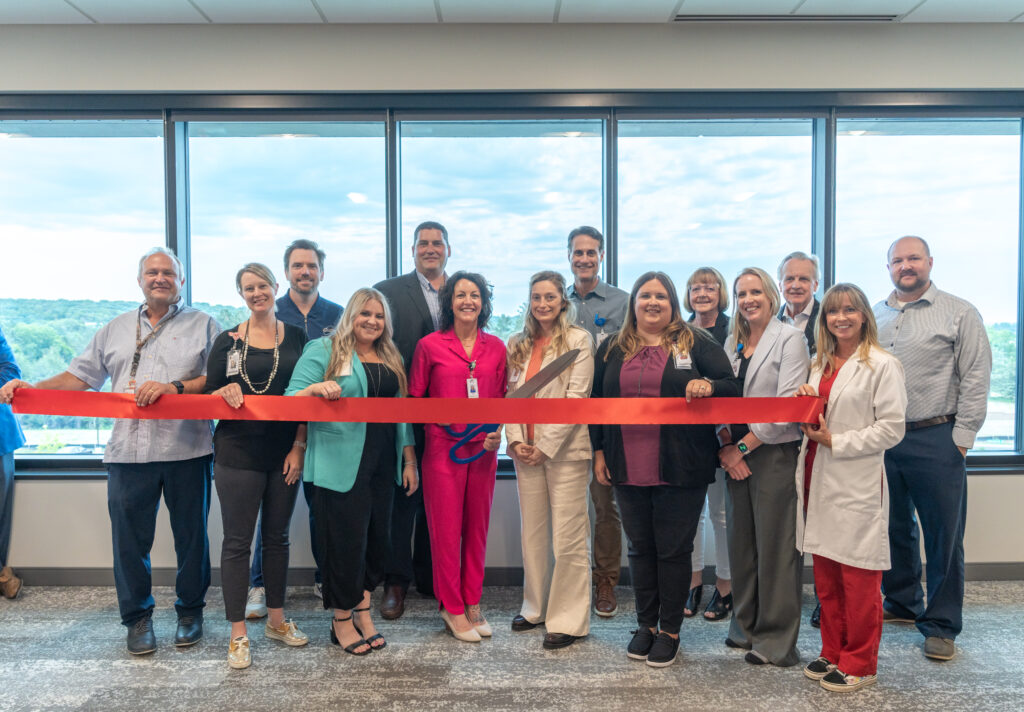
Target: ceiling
[(112, 12)]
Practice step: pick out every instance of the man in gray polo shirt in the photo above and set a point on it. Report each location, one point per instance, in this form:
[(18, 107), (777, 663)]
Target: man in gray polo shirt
[(159, 348), (600, 309), (941, 341)]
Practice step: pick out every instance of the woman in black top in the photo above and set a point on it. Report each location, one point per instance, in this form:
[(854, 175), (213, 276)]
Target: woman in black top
[(660, 473), (257, 463)]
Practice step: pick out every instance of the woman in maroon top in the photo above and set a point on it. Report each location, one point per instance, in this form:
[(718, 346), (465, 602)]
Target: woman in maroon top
[(661, 472)]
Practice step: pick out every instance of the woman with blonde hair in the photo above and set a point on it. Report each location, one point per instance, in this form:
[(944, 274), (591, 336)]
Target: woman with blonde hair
[(661, 473), (771, 360), (843, 517), (354, 466), (552, 470)]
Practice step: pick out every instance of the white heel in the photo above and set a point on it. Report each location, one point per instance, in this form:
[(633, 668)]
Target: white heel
[(467, 636)]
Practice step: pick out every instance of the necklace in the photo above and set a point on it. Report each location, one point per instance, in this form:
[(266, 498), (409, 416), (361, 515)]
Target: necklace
[(273, 371), (370, 373)]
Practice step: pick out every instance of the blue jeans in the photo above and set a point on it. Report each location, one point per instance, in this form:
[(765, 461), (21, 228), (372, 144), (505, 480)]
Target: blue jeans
[(926, 472), (6, 504), (133, 498), (256, 571)]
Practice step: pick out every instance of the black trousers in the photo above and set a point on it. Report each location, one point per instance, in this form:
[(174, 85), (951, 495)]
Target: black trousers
[(353, 532), (410, 560), (660, 523)]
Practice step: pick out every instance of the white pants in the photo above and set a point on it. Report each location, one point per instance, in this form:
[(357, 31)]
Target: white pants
[(553, 506), (714, 509)]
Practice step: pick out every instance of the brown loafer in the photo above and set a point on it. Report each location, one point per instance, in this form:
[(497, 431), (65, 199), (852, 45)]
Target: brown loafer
[(393, 605), (10, 585), (605, 604)]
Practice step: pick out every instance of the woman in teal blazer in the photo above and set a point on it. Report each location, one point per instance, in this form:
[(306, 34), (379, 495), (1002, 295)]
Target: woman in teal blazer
[(353, 466)]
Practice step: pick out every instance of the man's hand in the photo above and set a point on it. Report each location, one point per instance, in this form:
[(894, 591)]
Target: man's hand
[(150, 391)]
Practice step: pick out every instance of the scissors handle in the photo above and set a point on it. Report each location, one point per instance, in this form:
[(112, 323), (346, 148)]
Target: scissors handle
[(465, 436)]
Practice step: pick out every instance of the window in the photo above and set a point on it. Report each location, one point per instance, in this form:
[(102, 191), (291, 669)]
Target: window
[(508, 193), (728, 194), (82, 201), (956, 183), (256, 187)]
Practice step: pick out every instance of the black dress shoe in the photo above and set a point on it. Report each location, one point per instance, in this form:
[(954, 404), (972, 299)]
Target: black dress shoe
[(520, 624), (141, 640), (693, 601), (730, 643), (554, 641), (393, 605), (816, 617), (719, 607), (190, 631)]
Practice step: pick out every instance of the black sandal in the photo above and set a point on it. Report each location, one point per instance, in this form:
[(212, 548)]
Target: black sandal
[(719, 606), (693, 600), (373, 638), (350, 649)]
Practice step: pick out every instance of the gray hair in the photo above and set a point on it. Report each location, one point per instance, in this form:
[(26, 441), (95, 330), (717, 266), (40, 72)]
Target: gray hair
[(163, 251), (799, 255)]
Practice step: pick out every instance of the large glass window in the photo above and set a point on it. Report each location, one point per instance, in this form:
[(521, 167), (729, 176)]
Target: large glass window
[(81, 202), (728, 194), (256, 187), (956, 183), (508, 192)]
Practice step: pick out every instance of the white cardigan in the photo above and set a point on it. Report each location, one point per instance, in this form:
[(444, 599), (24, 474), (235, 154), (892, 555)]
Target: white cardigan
[(848, 505)]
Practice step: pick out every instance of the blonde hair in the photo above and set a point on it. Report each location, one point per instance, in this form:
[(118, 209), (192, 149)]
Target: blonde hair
[(740, 327), (258, 269), (707, 275), (677, 336), (520, 346), (343, 340), (825, 359)]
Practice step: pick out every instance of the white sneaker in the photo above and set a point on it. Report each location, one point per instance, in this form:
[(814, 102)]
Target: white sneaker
[(318, 590), (256, 605)]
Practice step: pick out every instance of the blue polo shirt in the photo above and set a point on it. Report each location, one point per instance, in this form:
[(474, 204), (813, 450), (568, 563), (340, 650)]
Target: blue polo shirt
[(320, 321)]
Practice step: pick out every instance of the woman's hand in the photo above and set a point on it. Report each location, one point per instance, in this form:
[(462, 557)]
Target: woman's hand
[(7, 392), (530, 455), (293, 463), (740, 471), (493, 441), (410, 479), (699, 388), (232, 395), (818, 433), (733, 463), (329, 390), (806, 390), (601, 468)]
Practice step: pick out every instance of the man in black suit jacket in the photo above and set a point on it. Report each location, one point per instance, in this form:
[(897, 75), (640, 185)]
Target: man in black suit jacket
[(415, 312), (798, 281)]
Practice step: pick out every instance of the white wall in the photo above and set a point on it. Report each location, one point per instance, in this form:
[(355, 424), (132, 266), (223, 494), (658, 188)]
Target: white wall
[(508, 57)]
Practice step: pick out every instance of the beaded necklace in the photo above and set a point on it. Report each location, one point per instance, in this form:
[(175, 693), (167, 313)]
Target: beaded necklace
[(245, 353)]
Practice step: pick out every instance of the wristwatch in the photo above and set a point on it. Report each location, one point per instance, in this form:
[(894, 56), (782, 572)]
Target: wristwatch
[(742, 447), (179, 385)]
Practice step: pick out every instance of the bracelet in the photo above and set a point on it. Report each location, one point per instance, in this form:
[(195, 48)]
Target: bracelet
[(299, 444), (410, 464)]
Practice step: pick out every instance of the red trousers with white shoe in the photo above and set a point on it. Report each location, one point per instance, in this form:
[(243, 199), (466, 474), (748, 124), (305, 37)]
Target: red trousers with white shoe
[(851, 615)]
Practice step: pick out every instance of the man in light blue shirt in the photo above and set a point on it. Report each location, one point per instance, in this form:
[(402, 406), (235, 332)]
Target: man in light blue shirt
[(159, 348)]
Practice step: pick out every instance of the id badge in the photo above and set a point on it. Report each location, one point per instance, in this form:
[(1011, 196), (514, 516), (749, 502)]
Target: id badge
[(514, 378), (472, 388), (736, 367), (234, 363), (601, 336), (683, 362), (346, 370)]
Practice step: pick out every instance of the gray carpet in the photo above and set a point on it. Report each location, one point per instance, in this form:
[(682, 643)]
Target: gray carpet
[(63, 649)]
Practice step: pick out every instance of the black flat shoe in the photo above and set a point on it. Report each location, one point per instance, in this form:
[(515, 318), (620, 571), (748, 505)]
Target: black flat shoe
[(719, 607), (730, 643), (520, 624), (693, 601), (640, 645), (554, 641), (816, 617)]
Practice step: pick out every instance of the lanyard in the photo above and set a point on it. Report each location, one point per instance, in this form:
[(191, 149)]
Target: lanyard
[(140, 343)]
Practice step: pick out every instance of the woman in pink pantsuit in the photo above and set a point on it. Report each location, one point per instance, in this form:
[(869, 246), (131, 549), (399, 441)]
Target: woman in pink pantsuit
[(459, 360)]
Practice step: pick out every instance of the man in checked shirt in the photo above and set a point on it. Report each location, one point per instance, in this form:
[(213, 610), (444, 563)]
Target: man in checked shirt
[(941, 342)]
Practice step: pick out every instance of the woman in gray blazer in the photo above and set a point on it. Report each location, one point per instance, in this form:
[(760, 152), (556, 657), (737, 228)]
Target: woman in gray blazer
[(772, 360)]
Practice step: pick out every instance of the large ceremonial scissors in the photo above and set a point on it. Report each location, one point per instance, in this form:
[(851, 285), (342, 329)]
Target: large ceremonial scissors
[(540, 379)]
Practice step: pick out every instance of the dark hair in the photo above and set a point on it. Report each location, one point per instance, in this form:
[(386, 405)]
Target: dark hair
[(444, 299), (303, 244), (429, 225), (589, 232)]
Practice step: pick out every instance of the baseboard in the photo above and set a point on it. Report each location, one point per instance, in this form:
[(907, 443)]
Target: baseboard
[(493, 575)]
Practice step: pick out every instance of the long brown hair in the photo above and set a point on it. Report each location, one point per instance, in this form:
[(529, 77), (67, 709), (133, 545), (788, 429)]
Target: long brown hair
[(520, 346), (826, 359), (343, 341), (677, 336)]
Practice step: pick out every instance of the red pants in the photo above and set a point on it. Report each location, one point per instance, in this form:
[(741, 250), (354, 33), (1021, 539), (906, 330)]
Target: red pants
[(457, 499), (851, 615)]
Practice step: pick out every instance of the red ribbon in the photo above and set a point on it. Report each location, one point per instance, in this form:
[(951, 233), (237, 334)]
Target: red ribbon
[(590, 411)]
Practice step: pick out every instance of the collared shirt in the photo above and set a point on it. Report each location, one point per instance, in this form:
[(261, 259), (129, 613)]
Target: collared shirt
[(430, 295), (799, 320), (941, 341), (321, 319), (603, 302), (178, 352)]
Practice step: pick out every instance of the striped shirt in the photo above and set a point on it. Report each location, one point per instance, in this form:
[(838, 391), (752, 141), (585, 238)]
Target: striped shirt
[(942, 343), (431, 296)]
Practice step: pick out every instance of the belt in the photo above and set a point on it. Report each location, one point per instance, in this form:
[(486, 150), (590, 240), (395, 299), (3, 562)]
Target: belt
[(929, 422)]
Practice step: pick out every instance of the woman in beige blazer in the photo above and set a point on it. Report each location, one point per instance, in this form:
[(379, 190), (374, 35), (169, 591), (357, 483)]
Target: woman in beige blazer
[(552, 470), (843, 513)]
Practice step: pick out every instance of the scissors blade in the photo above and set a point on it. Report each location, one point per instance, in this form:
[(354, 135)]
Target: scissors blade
[(546, 375)]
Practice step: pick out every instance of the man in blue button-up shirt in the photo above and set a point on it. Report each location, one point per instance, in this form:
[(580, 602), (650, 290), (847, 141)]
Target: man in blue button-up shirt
[(159, 348)]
